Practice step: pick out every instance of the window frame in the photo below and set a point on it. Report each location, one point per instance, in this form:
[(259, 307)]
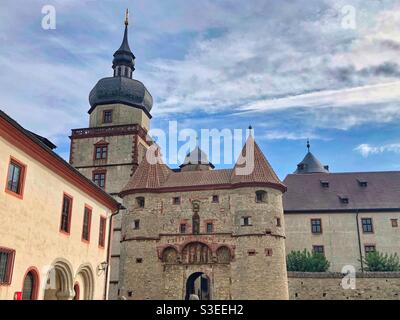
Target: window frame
[(394, 222), (215, 198), (102, 146), (104, 116), (263, 195), (136, 224), (312, 226), (209, 223), (36, 284), (249, 221), (372, 225), (369, 245), (22, 176), (90, 209), (100, 172), (176, 201), (102, 235), (68, 196), (318, 246), (9, 266), (140, 201), (185, 225)]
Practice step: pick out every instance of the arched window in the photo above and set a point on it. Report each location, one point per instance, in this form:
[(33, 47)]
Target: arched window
[(30, 286), (170, 255), (261, 196), (196, 223)]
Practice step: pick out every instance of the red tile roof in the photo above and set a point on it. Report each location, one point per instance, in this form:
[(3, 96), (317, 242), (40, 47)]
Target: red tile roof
[(158, 177)]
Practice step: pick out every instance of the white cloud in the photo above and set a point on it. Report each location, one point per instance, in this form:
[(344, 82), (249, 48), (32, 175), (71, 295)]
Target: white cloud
[(366, 150)]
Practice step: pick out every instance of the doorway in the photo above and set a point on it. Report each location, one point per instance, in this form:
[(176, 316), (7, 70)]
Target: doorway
[(198, 287)]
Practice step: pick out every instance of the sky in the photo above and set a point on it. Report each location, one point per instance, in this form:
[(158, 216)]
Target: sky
[(319, 69)]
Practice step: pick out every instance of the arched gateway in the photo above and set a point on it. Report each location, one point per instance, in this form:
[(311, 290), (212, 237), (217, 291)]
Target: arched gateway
[(198, 287)]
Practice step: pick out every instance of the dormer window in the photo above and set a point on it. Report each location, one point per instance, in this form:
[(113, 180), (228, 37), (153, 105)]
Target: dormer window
[(324, 184), (301, 166), (261, 196), (344, 199), (140, 202), (362, 183), (107, 116)]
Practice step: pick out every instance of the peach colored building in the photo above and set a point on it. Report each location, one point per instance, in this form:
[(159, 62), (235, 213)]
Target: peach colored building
[(54, 222)]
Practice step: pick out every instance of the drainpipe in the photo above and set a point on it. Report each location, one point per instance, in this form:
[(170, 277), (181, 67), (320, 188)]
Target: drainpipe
[(110, 232), (359, 241)]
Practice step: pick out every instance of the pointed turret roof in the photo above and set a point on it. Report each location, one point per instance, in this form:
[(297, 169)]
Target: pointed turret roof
[(150, 174), (252, 171), (197, 157), (253, 167), (124, 55), (310, 164)]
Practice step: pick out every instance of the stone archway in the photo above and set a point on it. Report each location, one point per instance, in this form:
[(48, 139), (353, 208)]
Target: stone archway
[(85, 278), (59, 284), (198, 287)]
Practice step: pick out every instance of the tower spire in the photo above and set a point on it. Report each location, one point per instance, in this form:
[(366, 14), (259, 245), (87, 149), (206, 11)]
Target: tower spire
[(124, 59), (127, 17), (308, 145)]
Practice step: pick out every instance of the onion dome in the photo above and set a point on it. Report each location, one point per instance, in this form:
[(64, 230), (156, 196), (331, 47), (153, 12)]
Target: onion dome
[(121, 88)]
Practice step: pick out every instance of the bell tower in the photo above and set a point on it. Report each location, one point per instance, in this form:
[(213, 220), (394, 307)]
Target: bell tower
[(111, 148)]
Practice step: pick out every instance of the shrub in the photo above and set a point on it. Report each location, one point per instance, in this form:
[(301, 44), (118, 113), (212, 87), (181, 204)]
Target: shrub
[(376, 261), (305, 261)]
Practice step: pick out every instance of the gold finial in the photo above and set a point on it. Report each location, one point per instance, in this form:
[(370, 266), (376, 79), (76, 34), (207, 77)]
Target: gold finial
[(127, 17)]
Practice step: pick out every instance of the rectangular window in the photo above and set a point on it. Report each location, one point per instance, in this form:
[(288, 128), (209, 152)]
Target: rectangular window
[(316, 226), (6, 265), (101, 152), (136, 224), (15, 178), (102, 232), (395, 223), (319, 249), (140, 202), (99, 178), (66, 214), (278, 222), (369, 248), (367, 225), (107, 116), (176, 200), (245, 221), (210, 227), (182, 228), (87, 219), (215, 199)]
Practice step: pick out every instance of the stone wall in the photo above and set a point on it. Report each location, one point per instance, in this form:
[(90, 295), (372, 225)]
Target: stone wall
[(328, 286), (256, 268)]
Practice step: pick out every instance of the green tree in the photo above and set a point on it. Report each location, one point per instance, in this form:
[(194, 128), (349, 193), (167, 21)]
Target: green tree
[(376, 261), (305, 261)]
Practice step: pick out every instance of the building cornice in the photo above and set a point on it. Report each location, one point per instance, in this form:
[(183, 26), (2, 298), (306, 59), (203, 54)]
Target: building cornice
[(16, 136)]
